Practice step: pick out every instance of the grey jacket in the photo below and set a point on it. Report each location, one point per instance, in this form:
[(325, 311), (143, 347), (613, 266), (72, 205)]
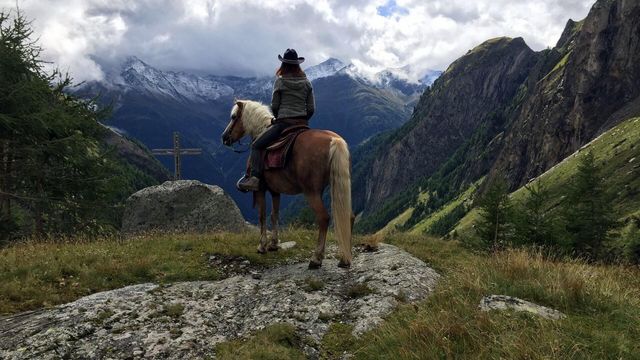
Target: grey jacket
[(292, 98)]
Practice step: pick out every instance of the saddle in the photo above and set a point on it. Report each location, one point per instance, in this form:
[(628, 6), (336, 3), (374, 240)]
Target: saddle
[(277, 153)]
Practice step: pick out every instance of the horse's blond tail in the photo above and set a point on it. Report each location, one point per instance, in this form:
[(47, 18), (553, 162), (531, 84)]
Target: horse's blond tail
[(340, 180)]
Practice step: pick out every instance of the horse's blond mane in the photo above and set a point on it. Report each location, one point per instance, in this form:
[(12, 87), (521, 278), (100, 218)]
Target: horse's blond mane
[(256, 117)]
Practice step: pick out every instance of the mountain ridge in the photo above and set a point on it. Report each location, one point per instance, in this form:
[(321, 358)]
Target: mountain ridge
[(565, 97)]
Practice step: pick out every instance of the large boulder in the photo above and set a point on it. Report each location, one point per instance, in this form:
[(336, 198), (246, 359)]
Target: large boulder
[(182, 206)]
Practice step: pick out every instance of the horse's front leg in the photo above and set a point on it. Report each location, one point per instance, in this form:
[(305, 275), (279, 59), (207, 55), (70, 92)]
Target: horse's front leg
[(262, 217), (275, 210)]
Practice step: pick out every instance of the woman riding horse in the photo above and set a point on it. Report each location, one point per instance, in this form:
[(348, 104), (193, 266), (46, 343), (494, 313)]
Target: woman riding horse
[(318, 159), (292, 103)]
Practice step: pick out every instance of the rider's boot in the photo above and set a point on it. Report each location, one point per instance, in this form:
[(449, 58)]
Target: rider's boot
[(249, 183)]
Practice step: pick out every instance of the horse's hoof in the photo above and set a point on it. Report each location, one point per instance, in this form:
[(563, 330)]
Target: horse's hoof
[(344, 265), (261, 250), (314, 265), (273, 248)]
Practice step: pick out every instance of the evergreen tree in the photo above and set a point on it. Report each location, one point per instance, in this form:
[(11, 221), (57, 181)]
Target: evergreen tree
[(534, 224), (494, 225), (55, 174), (587, 212), (631, 240)]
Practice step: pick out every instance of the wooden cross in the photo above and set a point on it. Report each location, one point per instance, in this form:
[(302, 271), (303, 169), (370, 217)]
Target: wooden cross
[(176, 152)]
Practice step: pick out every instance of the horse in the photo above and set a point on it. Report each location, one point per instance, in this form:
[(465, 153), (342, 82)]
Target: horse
[(318, 158)]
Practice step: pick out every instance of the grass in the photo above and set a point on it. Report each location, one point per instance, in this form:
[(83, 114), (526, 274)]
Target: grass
[(561, 64), (358, 290), (313, 284), (427, 222), (617, 156), (43, 274), (394, 224), (279, 341), (172, 310), (602, 303)]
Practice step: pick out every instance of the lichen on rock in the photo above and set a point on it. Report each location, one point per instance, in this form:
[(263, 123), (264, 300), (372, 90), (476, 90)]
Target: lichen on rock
[(187, 319), (183, 205)]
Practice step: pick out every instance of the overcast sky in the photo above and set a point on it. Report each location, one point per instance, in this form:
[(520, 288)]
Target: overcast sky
[(243, 37)]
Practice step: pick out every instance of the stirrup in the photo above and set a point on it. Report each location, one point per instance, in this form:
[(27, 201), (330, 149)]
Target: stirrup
[(246, 184)]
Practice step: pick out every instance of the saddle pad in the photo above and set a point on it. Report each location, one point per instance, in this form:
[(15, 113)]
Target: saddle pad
[(278, 152)]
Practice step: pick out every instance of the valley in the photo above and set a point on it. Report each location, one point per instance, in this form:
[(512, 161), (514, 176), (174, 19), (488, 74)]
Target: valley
[(149, 104), (496, 203)]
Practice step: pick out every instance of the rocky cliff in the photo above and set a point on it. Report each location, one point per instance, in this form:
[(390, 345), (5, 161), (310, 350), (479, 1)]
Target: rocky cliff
[(464, 98), (594, 86), (505, 110)]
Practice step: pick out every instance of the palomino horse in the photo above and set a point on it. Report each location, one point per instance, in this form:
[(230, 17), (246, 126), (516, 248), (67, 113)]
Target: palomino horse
[(319, 158)]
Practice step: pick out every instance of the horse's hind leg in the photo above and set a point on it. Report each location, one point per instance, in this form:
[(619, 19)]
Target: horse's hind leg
[(275, 210), (260, 201), (322, 218)]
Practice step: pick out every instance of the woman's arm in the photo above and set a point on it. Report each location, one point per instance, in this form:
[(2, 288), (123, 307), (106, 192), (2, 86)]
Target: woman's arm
[(311, 103), (275, 98)]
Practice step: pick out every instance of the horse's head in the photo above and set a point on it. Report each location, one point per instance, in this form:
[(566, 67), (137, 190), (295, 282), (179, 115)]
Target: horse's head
[(235, 130)]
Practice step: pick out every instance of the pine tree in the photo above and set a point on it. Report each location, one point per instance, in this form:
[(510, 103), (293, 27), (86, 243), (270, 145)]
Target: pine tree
[(587, 211), (534, 224), (57, 176), (494, 225)]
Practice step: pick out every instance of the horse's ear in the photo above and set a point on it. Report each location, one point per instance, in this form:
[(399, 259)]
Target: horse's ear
[(240, 104)]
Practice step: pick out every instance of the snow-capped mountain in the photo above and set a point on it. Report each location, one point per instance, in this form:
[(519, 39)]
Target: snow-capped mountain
[(396, 79), (134, 73), (402, 80), (326, 68)]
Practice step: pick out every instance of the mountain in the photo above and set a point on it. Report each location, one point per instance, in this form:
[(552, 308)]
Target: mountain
[(461, 103), (327, 68), (503, 110), (136, 155), (593, 85), (149, 104), (400, 79)]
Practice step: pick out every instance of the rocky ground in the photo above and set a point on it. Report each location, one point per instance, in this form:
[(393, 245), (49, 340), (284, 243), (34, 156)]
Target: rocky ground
[(186, 320)]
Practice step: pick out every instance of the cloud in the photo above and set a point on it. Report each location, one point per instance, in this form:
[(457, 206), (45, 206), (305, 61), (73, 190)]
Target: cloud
[(244, 37)]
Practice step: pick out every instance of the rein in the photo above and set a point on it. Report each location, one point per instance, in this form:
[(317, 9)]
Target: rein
[(239, 151)]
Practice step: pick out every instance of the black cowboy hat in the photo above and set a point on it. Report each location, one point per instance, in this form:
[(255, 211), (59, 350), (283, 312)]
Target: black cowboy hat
[(291, 57)]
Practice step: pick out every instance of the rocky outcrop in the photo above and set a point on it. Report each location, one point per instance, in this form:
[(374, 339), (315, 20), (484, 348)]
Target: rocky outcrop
[(182, 206), (467, 96), (186, 320), (503, 302)]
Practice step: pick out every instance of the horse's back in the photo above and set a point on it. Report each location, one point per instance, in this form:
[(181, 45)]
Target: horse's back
[(308, 167)]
